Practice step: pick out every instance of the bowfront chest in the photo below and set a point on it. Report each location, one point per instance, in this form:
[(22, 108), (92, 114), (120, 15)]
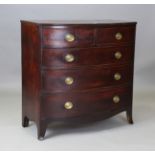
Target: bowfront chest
[(76, 71)]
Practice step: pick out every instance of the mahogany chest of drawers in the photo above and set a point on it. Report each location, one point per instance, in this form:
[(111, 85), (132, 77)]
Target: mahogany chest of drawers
[(76, 71)]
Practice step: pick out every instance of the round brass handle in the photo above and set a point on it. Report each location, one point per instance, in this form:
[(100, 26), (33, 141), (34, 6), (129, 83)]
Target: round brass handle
[(118, 36), (118, 55), (117, 76), (69, 80), (69, 58), (68, 105), (116, 99), (70, 37)]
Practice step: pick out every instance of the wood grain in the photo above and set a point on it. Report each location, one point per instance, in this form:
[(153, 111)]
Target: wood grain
[(44, 70)]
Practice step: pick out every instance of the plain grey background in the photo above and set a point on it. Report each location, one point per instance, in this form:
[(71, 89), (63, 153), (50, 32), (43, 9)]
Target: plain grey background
[(111, 134), (10, 48)]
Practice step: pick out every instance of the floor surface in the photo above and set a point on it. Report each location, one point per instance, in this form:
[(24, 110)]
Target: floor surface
[(111, 134)]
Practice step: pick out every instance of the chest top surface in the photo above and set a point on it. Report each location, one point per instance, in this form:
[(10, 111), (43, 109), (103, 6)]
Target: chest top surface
[(80, 22)]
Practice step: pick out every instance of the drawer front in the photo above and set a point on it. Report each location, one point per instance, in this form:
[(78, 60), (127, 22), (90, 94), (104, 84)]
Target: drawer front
[(87, 103), (60, 37), (115, 35), (79, 79), (65, 58)]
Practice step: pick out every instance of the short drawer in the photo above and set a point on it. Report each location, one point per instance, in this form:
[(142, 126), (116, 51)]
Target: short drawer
[(115, 35), (102, 101), (65, 58), (60, 37), (85, 78)]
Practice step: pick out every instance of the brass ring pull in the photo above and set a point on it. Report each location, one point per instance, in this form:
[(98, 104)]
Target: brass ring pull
[(118, 55), (69, 58), (116, 99), (118, 36), (68, 105), (69, 80), (70, 37), (117, 76)]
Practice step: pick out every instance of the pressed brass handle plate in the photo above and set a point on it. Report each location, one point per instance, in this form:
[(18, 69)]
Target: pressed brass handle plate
[(69, 80), (116, 99), (117, 76), (118, 36), (69, 58), (68, 105), (70, 37), (118, 55)]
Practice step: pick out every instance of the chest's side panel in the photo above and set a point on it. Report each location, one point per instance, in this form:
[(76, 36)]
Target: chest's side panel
[(31, 79)]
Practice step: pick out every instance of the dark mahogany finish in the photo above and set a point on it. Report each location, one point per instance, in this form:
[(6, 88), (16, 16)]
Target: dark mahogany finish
[(44, 70)]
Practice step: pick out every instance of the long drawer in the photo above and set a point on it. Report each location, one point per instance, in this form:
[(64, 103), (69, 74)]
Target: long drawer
[(85, 78), (102, 101), (66, 58)]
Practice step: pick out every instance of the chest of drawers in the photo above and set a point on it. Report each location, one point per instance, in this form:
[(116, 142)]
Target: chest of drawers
[(76, 71)]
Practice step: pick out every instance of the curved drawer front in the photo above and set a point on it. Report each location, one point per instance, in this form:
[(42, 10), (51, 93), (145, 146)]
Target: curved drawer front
[(115, 35), (64, 58), (92, 102), (60, 37), (79, 79)]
